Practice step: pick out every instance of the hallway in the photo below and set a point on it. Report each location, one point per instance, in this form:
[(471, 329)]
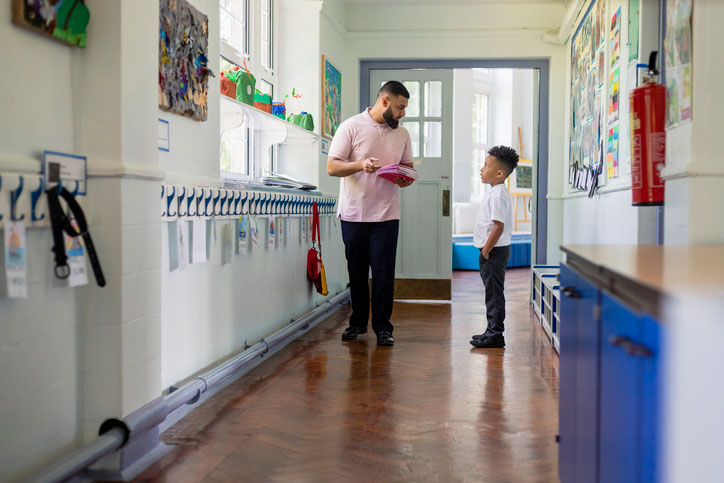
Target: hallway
[(431, 408)]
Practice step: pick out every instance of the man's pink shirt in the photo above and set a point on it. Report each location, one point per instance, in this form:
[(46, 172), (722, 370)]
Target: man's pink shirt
[(363, 196)]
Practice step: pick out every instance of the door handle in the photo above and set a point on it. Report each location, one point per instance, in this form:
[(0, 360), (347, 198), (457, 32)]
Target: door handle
[(571, 292), (631, 347), (445, 202)]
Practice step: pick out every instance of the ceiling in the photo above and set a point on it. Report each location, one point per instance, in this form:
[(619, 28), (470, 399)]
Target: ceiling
[(391, 3)]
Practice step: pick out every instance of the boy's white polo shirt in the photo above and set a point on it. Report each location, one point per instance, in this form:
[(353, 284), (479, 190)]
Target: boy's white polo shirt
[(496, 206)]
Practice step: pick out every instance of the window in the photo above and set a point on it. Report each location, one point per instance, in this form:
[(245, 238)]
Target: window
[(246, 30), (480, 140)]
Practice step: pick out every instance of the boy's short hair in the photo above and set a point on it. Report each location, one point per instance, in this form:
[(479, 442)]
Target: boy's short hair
[(507, 157), (393, 87)]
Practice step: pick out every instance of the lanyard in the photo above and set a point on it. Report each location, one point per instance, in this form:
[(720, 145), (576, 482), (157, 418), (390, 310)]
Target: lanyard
[(60, 223)]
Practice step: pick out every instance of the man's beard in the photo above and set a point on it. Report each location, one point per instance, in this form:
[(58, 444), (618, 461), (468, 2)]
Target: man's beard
[(390, 118)]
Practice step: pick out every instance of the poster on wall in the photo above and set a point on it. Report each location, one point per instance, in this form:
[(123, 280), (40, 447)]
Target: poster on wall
[(634, 15), (678, 62), (614, 84), (183, 73), (62, 20), (615, 37), (332, 97), (612, 152)]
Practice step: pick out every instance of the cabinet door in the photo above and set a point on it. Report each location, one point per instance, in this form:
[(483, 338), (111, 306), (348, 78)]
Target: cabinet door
[(578, 408), (568, 377), (651, 394), (621, 384)]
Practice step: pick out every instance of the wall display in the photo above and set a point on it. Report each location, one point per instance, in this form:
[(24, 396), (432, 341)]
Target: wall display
[(615, 37), (612, 152), (678, 61), (15, 259), (63, 20), (588, 76), (634, 15), (331, 97), (614, 85), (183, 80)]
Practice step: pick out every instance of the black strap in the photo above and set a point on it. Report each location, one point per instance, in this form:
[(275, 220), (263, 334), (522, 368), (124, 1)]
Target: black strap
[(61, 223)]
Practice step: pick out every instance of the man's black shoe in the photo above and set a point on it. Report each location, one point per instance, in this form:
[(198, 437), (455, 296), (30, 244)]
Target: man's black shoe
[(351, 333), (479, 336), (385, 338), (489, 343)]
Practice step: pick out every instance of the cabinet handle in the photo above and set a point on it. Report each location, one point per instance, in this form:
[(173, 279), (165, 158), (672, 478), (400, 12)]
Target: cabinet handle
[(571, 292), (631, 347)]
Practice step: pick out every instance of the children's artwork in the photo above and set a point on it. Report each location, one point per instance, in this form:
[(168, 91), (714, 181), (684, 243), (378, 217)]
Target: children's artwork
[(332, 97), (271, 239), (63, 20), (612, 152), (678, 61), (633, 29), (614, 93), (183, 251), (243, 234), (615, 37), (183, 77), (75, 251), (226, 243), (198, 241), (15, 259)]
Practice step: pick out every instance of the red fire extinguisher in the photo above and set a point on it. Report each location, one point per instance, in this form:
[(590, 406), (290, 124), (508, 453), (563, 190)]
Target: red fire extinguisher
[(648, 138)]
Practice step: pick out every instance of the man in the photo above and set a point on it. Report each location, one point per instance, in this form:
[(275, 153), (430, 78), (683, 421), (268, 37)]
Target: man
[(368, 205)]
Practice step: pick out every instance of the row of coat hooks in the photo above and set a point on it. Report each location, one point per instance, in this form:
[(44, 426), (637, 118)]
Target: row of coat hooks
[(20, 198), (184, 201)]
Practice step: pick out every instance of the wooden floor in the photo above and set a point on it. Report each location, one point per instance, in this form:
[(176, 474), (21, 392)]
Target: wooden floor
[(431, 408)]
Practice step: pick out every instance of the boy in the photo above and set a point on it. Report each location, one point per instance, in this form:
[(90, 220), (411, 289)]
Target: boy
[(493, 233)]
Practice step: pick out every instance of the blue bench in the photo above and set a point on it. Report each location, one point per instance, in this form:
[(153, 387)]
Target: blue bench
[(465, 255)]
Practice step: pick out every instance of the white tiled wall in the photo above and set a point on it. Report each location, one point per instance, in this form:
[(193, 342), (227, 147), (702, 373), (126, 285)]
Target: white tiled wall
[(209, 311)]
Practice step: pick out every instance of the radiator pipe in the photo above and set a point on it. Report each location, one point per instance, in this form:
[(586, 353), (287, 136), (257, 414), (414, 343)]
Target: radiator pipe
[(115, 433)]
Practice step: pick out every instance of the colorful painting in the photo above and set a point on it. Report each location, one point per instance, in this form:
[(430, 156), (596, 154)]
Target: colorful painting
[(183, 73), (612, 152), (633, 29), (614, 84), (63, 20), (616, 37), (332, 96)]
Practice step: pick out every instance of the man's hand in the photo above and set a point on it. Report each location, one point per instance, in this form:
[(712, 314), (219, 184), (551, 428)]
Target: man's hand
[(403, 183), (368, 165), (486, 253)]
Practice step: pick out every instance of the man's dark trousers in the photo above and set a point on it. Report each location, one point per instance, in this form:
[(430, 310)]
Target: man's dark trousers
[(492, 271), (371, 244)]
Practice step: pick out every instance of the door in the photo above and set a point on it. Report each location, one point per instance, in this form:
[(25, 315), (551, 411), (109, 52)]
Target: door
[(424, 249)]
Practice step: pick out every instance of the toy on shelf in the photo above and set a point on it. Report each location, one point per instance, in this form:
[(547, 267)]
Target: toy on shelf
[(263, 102), (227, 87), (279, 109), (245, 83)]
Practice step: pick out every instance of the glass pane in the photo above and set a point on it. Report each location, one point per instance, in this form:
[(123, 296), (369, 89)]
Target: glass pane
[(414, 129), (413, 107), (265, 87), (480, 118), (478, 159), (433, 98), (433, 139)]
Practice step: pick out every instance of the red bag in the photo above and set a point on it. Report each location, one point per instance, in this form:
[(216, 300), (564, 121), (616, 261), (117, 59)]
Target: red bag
[(315, 267)]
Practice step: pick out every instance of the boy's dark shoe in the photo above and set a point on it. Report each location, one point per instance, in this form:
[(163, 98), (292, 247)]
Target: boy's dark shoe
[(351, 332), (385, 338), (479, 336), (489, 342)]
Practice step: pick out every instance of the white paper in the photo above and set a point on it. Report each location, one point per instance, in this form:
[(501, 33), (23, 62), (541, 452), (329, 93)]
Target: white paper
[(75, 250), (199, 241), (243, 234), (254, 232), (15, 259), (183, 237), (226, 243), (271, 239)]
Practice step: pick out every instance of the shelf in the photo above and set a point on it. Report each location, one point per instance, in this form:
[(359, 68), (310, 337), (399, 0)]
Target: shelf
[(284, 132)]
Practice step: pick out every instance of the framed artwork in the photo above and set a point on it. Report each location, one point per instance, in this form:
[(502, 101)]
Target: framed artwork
[(62, 20), (183, 73), (331, 97), (520, 181)]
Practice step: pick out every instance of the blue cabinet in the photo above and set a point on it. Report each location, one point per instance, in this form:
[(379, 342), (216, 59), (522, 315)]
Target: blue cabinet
[(609, 385)]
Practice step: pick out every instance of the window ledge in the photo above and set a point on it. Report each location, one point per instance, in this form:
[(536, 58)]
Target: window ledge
[(263, 121)]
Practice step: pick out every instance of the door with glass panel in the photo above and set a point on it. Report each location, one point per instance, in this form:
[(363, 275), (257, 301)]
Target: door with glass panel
[(424, 250)]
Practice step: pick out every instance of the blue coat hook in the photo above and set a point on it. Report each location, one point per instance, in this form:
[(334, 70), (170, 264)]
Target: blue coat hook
[(237, 200), (181, 196), (223, 202), (163, 190), (75, 190), (216, 199), (207, 200), (14, 196), (199, 200), (242, 202), (34, 197), (190, 202), (169, 199)]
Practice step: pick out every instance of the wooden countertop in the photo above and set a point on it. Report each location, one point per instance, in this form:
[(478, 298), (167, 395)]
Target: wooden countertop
[(651, 271)]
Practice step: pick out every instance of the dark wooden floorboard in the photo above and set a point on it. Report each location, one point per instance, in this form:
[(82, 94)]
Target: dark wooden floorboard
[(431, 408)]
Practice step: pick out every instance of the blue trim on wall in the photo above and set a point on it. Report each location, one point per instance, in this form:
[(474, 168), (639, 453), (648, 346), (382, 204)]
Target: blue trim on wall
[(542, 65)]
